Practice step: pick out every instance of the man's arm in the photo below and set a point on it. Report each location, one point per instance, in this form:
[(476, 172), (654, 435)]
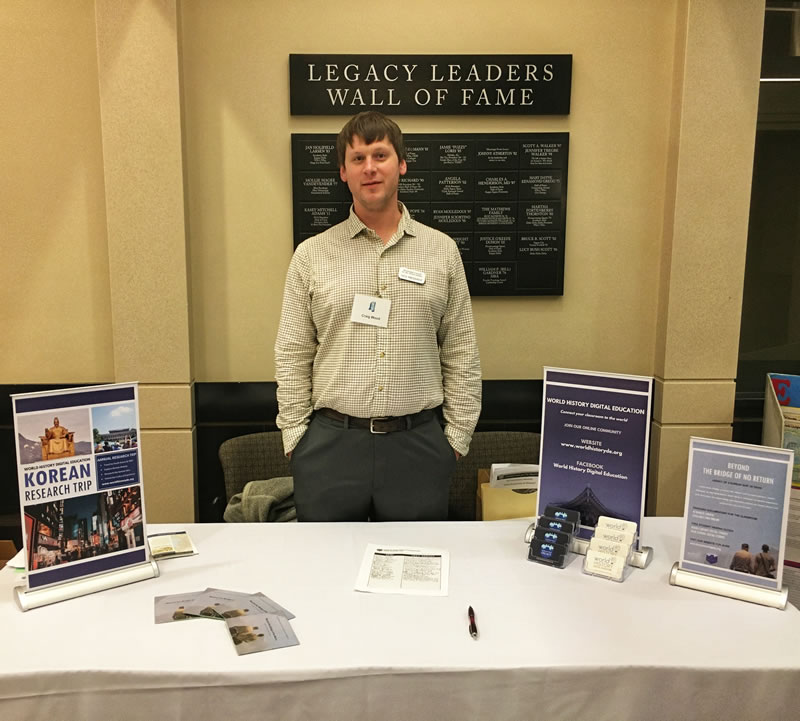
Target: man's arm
[(295, 349), (460, 361)]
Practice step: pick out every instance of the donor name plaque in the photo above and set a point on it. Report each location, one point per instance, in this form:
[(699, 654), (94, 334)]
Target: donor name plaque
[(501, 197), (431, 84)]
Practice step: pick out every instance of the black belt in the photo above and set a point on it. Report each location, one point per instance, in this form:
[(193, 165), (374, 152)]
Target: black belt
[(384, 424)]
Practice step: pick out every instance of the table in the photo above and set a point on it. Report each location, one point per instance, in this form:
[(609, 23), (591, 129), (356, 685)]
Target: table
[(554, 644)]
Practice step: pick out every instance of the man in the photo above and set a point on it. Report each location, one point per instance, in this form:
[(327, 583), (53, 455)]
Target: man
[(376, 335), (742, 560), (764, 563)]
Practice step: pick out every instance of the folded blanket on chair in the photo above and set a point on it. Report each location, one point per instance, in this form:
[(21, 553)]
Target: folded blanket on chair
[(270, 501)]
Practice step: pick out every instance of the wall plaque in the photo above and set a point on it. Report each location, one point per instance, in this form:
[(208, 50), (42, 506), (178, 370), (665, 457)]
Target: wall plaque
[(430, 84), (502, 197)]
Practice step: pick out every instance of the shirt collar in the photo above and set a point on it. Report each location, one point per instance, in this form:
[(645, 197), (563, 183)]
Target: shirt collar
[(406, 224)]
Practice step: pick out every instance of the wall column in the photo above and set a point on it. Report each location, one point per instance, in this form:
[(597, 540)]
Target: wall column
[(140, 107), (707, 204)]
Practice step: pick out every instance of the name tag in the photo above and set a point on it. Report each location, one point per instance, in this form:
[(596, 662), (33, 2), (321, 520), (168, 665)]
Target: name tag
[(415, 276), (370, 310)]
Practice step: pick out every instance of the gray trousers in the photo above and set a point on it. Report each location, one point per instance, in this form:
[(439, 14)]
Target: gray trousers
[(349, 474)]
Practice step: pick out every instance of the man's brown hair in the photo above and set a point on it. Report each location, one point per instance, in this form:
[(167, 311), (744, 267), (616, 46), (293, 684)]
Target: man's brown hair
[(371, 126)]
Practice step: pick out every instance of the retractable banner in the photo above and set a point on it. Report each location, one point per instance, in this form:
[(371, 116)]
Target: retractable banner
[(79, 470), (737, 503), (595, 437)]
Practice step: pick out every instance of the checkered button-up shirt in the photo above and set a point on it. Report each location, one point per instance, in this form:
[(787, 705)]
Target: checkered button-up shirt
[(427, 355)]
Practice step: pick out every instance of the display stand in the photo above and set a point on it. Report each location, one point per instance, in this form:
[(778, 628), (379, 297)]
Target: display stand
[(33, 598), (719, 586), (639, 559)]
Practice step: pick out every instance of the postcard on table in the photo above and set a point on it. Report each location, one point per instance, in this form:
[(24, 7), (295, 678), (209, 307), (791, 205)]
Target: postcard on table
[(260, 632)]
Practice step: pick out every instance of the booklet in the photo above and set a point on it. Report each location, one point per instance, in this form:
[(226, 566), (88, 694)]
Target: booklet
[(399, 569), (220, 603), (254, 622), (173, 607), (260, 632), (170, 545)]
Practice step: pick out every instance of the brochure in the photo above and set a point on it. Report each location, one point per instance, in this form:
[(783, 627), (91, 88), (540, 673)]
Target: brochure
[(170, 545), (254, 622), (595, 436), (737, 503), (410, 571), (80, 481), (782, 430), (517, 476)]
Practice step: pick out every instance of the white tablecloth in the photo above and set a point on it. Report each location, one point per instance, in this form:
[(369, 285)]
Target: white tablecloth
[(554, 644)]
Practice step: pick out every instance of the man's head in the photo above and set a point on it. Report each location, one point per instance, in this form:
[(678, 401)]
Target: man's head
[(765, 548), (55, 422), (370, 148), (745, 546), (370, 126)]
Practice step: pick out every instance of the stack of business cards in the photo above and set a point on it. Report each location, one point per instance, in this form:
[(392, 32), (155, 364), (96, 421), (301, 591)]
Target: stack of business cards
[(552, 536), (610, 549), (254, 621)]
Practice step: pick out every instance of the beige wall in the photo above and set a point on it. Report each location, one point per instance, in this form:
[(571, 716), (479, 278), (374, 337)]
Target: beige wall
[(55, 307), (147, 196), (235, 65)]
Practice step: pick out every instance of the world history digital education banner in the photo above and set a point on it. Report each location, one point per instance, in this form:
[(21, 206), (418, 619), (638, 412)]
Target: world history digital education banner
[(595, 436), (737, 501), (80, 481)]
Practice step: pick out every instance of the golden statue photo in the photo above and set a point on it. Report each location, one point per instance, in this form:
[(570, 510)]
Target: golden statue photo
[(57, 442)]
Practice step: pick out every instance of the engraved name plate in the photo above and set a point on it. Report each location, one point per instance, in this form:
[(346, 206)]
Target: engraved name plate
[(541, 154), (452, 186), (495, 246), (540, 186), (456, 155), (502, 216), (495, 186), (500, 154), (493, 277), (414, 186)]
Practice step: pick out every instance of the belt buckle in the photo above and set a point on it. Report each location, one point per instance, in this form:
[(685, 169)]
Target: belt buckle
[(372, 426)]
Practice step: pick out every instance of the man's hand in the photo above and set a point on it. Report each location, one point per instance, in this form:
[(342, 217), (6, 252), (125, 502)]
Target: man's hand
[(458, 455)]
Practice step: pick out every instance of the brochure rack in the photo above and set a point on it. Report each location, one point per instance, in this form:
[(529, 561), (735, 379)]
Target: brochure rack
[(732, 589), (33, 598)]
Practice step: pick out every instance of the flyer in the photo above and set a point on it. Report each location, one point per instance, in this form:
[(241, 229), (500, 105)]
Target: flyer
[(595, 436), (404, 570), (79, 472), (782, 430), (737, 502)]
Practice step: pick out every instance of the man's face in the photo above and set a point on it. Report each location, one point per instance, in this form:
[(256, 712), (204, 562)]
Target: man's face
[(372, 172), (55, 422)]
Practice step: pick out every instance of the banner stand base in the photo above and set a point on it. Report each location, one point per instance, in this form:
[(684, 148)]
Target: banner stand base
[(722, 587), (34, 598)]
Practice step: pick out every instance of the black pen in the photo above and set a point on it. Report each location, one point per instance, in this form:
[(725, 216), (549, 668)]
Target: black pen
[(473, 629)]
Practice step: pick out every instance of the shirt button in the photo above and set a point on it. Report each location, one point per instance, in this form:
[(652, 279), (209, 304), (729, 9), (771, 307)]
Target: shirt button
[(382, 354), (383, 287), (380, 388)]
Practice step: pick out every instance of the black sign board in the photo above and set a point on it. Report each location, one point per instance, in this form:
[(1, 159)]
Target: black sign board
[(502, 197), (430, 84)]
